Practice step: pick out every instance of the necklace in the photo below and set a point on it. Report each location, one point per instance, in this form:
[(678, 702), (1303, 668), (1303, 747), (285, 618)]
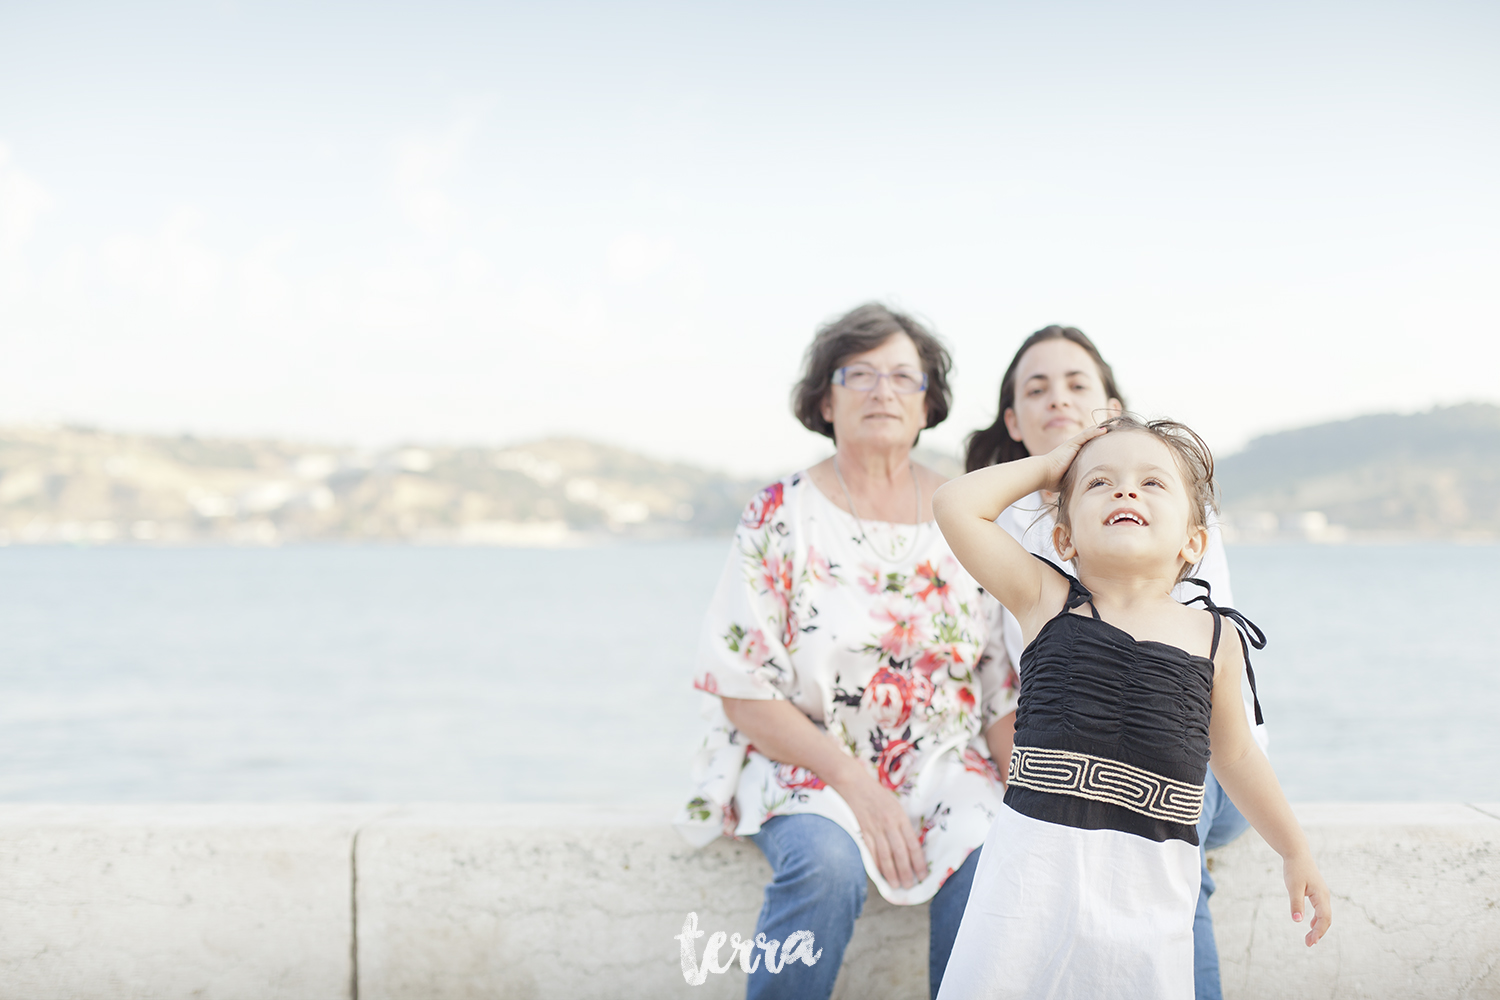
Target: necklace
[(916, 521)]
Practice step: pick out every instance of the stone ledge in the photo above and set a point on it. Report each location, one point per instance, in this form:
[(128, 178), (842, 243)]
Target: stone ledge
[(458, 902), (1416, 906), (439, 901), (176, 901)]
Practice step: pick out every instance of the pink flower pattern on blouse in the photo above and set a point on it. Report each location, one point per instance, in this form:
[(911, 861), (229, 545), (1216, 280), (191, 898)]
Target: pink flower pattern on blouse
[(898, 659)]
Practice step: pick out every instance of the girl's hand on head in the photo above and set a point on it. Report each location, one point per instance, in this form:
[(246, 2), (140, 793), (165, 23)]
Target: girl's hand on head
[(1061, 457), (1304, 883)]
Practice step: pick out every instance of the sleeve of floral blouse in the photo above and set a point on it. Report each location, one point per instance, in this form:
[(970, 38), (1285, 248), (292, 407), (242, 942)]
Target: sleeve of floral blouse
[(742, 652), (999, 684)]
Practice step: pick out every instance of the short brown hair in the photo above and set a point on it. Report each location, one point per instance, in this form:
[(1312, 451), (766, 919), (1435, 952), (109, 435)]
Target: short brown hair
[(864, 329), (1194, 460)]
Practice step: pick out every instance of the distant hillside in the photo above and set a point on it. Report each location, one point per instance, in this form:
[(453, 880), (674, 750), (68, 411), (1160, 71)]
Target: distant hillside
[(1432, 475), (68, 484), (1428, 475)]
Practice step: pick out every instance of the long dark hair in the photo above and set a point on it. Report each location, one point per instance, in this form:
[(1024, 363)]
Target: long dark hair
[(993, 444)]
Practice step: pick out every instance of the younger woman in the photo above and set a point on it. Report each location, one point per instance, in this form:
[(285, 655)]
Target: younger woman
[(1089, 876)]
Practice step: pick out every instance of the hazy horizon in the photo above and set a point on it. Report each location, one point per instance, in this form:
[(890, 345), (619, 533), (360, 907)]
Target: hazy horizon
[(949, 450), (448, 224)]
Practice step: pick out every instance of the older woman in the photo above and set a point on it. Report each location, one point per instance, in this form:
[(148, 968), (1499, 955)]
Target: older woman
[(858, 671), (1057, 385)]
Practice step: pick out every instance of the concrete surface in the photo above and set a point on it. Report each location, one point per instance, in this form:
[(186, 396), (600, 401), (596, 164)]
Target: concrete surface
[(1416, 909), (152, 902), (428, 902), (578, 903)]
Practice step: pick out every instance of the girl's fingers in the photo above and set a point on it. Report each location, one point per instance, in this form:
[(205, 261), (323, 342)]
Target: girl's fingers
[(1324, 907), (1304, 893), (1087, 435), (1061, 457), (1068, 450)]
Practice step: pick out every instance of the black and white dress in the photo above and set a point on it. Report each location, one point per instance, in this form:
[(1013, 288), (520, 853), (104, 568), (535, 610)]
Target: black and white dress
[(1089, 876)]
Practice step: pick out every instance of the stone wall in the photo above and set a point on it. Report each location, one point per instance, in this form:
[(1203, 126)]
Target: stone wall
[(1416, 906), (547, 901)]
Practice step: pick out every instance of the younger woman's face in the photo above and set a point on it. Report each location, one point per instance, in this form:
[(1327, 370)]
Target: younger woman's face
[(1058, 394)]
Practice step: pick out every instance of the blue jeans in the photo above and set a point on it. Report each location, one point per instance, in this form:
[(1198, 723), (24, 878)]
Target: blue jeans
[(818, 884), (1220, 824)]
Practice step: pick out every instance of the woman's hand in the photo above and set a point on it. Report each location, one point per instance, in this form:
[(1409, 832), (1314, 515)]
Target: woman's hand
[(1060, 458), (1305, 883), (885, 826), (781, 732)]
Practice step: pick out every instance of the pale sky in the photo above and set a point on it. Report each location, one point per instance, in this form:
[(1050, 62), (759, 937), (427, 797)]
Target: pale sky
[(474, 224)]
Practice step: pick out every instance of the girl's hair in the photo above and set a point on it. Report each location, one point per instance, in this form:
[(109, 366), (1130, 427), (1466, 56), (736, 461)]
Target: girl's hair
[(865, 328), (994, 444), (1194, 461)]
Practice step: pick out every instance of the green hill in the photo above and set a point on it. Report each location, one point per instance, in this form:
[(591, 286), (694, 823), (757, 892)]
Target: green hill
[(81, 485), (1423, 475)]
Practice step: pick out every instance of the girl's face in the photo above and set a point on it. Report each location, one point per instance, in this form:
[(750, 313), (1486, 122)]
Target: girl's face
[(1130, 508), (882, 417), (1058, 394)]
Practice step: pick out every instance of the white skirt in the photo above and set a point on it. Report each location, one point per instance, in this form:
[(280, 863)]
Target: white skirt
[(1059, 912)]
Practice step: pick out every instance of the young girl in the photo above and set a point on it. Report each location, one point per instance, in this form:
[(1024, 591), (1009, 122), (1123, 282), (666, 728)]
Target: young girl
[(1088, 879)]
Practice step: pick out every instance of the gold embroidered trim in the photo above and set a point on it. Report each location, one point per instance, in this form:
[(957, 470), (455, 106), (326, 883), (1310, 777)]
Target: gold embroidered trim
[(1100, 779)]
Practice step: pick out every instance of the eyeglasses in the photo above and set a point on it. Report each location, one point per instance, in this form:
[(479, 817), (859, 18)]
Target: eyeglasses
[(863, 378)]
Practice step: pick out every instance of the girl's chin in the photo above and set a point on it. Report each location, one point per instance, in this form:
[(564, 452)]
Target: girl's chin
[(1133, 549), (1122, 540)]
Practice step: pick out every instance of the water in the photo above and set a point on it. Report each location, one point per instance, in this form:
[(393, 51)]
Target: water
[(1381, 680), (411, 674)]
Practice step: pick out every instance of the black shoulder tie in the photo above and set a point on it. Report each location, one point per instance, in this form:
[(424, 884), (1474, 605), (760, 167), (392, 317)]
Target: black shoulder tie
[(1248, 631), (1077, 592)]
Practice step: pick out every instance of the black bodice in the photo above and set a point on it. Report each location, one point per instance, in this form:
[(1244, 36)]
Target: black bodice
[(1092, 696)]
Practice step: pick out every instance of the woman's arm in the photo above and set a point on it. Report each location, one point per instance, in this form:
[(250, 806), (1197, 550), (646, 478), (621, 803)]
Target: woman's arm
[(1001, 737), (966, 509), (1252, 786), (783, 733), (999, 687)]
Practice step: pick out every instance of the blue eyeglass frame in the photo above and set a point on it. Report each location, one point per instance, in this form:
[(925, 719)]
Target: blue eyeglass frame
[(839, 375)]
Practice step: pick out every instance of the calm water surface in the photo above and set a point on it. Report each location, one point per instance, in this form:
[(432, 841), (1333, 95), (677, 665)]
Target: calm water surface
[(401, 674)]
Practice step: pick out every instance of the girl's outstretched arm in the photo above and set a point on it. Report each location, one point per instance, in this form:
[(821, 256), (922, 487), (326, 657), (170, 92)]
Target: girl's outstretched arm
[(1252, 786), (966, 509)]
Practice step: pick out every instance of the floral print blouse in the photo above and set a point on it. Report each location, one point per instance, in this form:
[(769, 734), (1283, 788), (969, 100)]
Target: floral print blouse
[(881, 638)]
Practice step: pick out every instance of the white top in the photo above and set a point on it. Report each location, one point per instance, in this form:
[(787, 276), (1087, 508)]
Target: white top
[(1030, 521), (896, 653)]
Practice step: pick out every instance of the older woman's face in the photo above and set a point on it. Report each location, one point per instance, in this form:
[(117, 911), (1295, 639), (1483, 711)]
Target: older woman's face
[(1058, 394), (881, 417)]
